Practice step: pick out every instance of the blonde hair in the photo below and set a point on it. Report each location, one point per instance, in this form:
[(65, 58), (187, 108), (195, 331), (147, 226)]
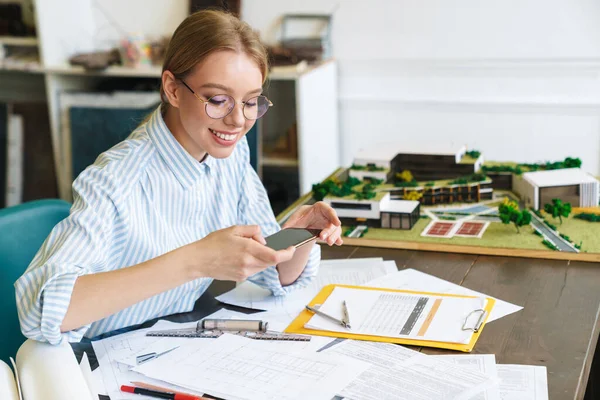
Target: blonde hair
[(206, 31)]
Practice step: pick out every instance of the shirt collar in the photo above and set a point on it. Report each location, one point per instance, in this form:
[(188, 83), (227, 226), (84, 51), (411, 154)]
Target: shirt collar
[(186, 168)]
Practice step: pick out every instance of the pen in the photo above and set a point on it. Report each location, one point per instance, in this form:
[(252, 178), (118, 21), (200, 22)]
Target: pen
[(151, 356), (346, 317), (162, 389), (329, 317), (159, 395)]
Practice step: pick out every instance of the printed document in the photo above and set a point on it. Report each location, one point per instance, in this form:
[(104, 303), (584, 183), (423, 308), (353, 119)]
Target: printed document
[(234, 366), (398, 373), (411, 279), (484, 363), (110, 350), (343, 272), (116, 354), (519, 382), (400, 315)]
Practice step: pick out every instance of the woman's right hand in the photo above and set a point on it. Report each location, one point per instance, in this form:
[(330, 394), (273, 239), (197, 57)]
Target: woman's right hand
[(234, 254)]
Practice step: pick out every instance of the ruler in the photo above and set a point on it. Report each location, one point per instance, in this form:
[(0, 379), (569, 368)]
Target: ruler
[(194, 333)]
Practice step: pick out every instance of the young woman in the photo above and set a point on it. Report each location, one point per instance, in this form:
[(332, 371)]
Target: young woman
[(159, 216)]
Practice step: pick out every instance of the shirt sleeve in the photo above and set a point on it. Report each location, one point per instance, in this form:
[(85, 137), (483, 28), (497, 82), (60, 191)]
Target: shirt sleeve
[(77, 245), (254, 208)]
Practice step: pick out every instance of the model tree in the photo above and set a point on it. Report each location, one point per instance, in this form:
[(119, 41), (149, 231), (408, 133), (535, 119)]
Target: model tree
[(405, 176), (509, 212), (320, 190), (367, 193), (558, 209), (413, 195), (571, 162), (352, 181)]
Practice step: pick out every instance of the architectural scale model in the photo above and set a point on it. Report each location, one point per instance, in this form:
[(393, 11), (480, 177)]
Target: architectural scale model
[(451, 199)]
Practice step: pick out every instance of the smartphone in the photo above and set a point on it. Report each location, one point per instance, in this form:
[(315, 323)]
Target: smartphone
[(291, 237)]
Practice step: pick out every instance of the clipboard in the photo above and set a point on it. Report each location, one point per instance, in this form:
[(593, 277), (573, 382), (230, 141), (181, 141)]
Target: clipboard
[(297, 325)]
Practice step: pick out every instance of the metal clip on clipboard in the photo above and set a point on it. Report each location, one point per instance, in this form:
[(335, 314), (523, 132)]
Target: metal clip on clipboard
[(482, 314), (213, 328)]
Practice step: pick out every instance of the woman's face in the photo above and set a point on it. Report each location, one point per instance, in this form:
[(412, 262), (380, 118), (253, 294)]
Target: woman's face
[(221, 73)]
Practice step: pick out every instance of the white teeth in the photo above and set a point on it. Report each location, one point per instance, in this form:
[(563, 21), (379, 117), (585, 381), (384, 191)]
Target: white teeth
[(223, 136)]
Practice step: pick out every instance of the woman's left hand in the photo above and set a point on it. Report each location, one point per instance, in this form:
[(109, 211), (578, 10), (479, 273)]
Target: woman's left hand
[(318, 216)]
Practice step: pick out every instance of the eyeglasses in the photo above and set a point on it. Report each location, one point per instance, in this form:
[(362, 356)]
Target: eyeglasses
[(221, 105)]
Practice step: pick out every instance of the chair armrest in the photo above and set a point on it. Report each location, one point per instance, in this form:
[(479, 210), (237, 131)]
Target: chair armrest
[(48, 372), (8, 385)]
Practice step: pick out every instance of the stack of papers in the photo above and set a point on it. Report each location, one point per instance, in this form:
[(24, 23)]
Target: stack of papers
[(411, 279), (241, 368), (116, 355), (399, 315), (397, 373), (235, 367), (283, 309)]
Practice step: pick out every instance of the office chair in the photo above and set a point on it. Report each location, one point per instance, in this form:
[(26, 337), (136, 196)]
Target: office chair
[(23, 229)]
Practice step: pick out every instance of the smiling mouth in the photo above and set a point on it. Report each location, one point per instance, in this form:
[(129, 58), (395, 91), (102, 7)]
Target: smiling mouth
[(224, 136)]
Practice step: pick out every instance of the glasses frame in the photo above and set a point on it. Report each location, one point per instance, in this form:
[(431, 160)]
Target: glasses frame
[(234, 103)]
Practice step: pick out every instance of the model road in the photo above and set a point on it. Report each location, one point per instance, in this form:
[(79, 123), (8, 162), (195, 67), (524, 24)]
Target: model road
[(550, 234), (357, 231), (554, 237)]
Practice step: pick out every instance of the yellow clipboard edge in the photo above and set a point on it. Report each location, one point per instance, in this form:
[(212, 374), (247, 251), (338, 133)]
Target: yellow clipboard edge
[(297, 325)]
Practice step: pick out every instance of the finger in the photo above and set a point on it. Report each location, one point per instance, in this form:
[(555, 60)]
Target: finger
[(328, 212), (259, 238), (295, 218), (267, 256), (339, 241), (247, 231), (334, 236), (327, 232)]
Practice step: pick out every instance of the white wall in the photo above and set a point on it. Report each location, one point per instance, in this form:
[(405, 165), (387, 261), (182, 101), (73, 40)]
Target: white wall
[(512, 78), (154, 18), (68, 27)]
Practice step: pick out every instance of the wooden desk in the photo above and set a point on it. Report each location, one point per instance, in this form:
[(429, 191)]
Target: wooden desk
[(558, 326)]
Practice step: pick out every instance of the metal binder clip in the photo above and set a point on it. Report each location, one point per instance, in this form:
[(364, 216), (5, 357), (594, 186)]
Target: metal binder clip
[(477, 327), (233, 325), (214, 328)]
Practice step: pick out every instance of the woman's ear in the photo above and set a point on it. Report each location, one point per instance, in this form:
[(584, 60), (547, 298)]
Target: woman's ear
[(170, 89)]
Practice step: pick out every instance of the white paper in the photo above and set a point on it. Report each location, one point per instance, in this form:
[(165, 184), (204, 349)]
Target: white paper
[(484, 363), (166, 343), (287, 308), (411, 279), (111, 350), (399, 315), (397, 373), (149, 344), (234, 366), (523, 382)]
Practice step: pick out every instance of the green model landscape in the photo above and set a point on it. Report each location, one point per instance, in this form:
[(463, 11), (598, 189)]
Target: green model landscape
[(510, 229)]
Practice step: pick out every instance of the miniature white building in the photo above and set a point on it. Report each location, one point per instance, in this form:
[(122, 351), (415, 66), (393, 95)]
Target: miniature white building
[(381, 211), (571, 185)]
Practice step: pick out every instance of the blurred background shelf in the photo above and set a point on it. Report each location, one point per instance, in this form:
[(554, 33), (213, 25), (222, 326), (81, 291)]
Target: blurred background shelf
[(114, 71), (278, 162), (18, 41), (37, 68)]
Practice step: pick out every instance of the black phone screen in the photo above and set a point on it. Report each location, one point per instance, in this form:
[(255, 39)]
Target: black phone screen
[(290, 237)]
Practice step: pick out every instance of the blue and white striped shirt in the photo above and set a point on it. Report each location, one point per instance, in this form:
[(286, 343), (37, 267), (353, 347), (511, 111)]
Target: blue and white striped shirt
[(143, 198)]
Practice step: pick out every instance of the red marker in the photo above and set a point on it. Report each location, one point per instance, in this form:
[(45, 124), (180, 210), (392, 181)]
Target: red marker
[(159, 395)]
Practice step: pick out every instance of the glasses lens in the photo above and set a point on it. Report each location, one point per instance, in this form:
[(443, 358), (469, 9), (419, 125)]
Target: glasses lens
[(256, 107), (219, 106)]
